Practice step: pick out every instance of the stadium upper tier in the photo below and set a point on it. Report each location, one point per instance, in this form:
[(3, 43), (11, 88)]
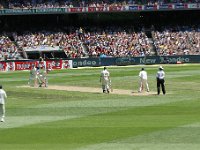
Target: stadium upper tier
[(13, 4), (107, 42)]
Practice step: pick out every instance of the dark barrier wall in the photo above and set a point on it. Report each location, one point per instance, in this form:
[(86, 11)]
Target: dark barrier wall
[(94, 62), (157, 60), (82, 62), (135, 60)]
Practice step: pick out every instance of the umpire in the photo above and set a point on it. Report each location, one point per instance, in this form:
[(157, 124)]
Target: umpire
[(160, 80)]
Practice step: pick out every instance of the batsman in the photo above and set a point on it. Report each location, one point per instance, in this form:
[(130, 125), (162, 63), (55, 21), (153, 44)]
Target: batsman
[(105, 80), (32, 77)]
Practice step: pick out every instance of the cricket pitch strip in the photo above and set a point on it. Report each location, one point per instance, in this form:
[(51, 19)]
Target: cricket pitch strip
[(95, 90)]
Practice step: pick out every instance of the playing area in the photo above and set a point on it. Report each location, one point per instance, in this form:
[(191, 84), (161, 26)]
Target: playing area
[(73, 113)]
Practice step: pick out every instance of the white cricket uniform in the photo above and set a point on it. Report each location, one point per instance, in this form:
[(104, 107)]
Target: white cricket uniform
[(105, 80), (41, 75), (143, 81), (3, 96), (32, 78)]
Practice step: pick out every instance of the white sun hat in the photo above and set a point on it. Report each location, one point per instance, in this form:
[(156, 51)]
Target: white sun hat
[(161, 68)]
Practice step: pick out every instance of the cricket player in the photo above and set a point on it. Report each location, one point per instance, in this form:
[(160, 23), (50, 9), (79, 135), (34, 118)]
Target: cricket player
[(160, 76), (105, 80), (32, 77), (40, 76), (143, 80), (3, 96), (44, 75)]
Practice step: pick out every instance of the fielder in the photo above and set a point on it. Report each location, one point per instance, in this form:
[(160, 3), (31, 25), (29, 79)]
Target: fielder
[(143, 80), (3, 96), (105, 80)]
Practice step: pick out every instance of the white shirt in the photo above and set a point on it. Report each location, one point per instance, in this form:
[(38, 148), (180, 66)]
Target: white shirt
[(3, 96), (143, 74), (105, 75), (160, 74)]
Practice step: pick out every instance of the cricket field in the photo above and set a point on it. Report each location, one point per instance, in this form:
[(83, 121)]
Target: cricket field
[(72, 113)]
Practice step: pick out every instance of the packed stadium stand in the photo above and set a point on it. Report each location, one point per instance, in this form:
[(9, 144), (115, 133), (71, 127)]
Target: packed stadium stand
[(182, 40), (27, 4), (8, 50), (107, 34)]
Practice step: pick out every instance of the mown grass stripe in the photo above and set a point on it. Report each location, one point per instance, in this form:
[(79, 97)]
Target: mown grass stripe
[(142, 146)]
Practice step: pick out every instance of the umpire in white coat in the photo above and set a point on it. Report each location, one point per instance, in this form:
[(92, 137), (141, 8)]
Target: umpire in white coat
[(3, 96)]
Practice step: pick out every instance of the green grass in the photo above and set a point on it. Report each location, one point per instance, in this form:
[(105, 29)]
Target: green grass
[(38, 119)]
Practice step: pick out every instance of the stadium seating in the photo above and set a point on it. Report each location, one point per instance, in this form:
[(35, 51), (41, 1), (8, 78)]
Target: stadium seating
[(104, 42), (8, 50), (177, 41), (26, 4)]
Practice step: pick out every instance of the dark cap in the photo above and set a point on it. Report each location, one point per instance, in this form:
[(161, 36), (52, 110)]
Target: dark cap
[(142, 69), (1, 86), (104, 68)]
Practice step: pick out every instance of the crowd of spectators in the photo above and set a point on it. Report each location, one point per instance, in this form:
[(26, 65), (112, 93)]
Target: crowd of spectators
[(27, 4), (70, 43), (105, 42), (177, 41), (117, 42), (8, 50), (96, 42)]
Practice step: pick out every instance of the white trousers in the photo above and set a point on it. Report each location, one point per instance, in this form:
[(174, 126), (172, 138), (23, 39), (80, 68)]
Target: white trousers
[(2, 111), (142, 83), (105, 85)]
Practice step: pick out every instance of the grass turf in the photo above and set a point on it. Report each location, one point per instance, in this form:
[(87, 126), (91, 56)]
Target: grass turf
[(48, 119)]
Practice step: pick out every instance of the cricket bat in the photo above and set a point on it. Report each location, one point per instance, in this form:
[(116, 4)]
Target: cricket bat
[(111, 89)]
